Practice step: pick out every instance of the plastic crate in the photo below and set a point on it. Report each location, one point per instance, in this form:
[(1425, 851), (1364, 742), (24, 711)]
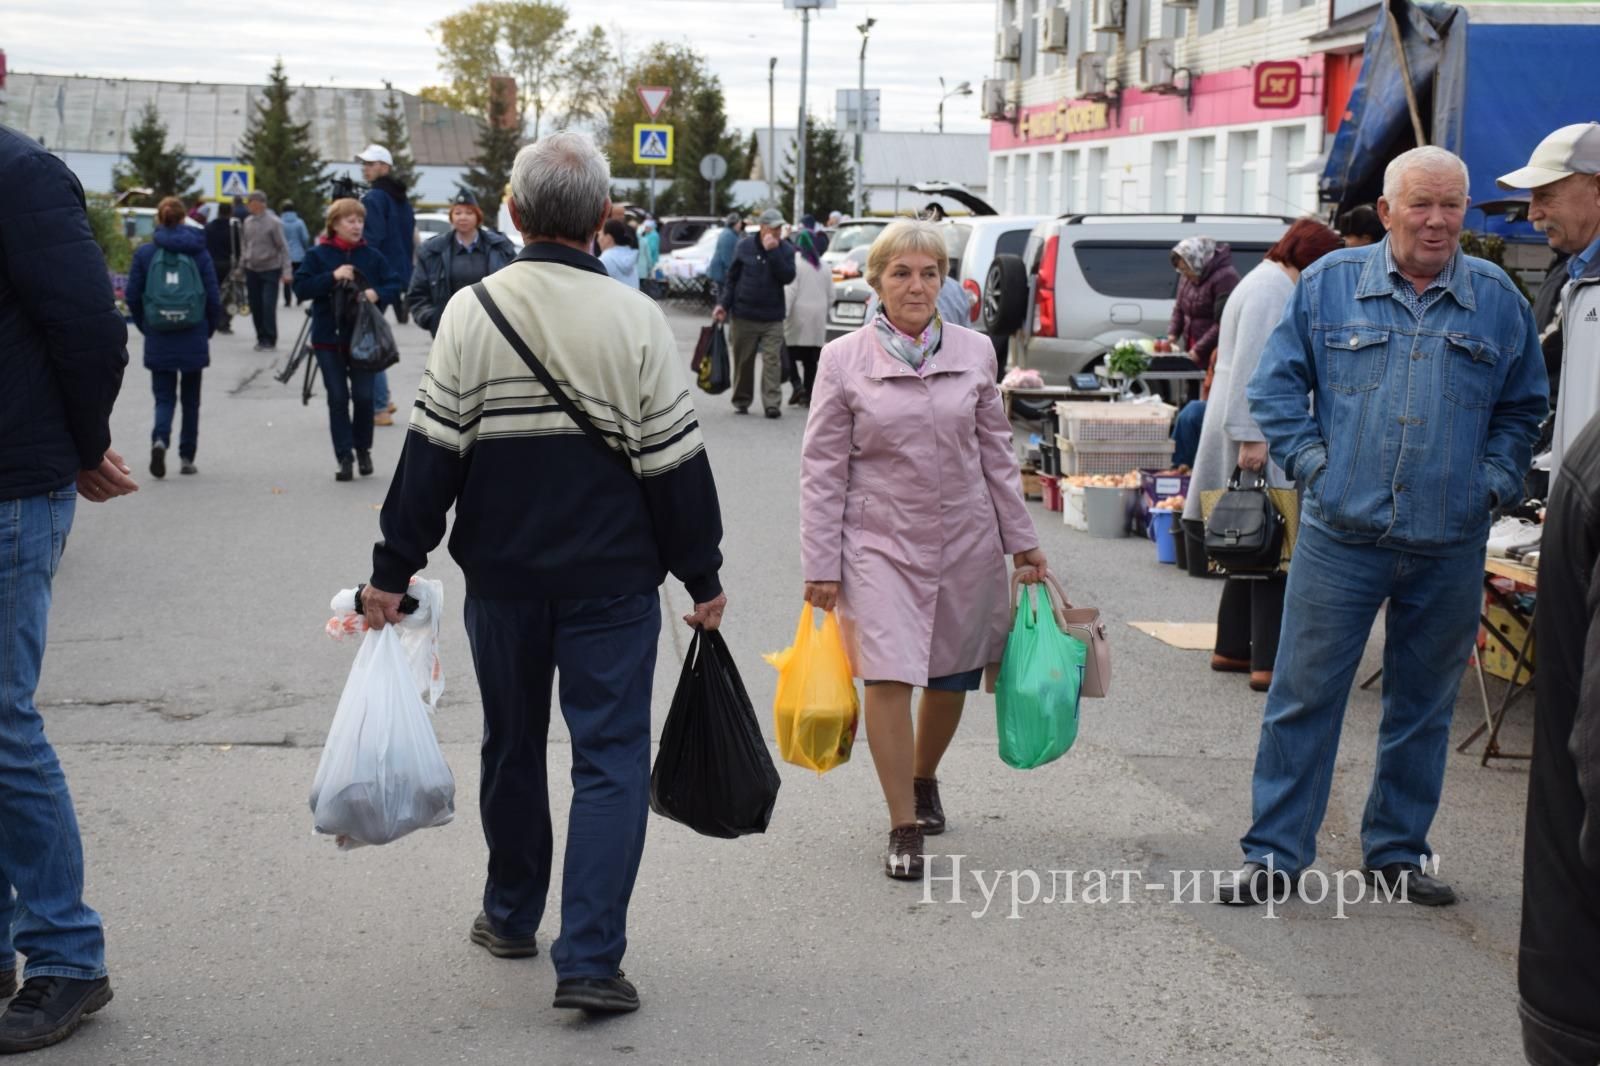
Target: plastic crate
[(1130, 423), (1099, 457)]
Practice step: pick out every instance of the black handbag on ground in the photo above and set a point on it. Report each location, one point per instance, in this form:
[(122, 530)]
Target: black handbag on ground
[(1244, 535)]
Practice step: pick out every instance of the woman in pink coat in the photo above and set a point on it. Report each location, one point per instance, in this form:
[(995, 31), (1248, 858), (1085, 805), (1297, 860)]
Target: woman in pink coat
[(910, 501)]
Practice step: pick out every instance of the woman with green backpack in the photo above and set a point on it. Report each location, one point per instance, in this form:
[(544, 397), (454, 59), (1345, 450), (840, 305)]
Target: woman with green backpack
[(174, 302)]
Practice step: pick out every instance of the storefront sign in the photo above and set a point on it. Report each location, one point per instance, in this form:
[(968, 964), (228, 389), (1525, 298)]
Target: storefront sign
[(1277, 85), (1065, 118)]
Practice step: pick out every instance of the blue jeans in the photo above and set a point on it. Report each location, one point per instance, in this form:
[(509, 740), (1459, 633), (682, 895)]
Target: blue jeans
[(165, 385), (1334, 593), (605, 652), (1186, 433), (380, 391), (349, 404), (41, 853)]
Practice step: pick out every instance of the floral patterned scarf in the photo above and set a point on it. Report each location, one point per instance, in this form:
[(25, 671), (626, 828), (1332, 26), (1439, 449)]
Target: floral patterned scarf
[(908, 349)]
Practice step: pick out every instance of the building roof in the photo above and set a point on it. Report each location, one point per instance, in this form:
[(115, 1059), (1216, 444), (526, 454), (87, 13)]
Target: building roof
[(889, 158), (84, 114)]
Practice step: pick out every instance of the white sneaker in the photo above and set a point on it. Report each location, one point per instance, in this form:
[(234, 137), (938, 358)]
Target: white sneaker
[(1511, 533)]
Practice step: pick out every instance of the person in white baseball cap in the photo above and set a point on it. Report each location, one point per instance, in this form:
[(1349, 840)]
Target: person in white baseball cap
[(1564, 176), (375, 153)]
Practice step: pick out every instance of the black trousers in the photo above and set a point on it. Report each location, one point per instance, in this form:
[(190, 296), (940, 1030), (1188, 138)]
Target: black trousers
[(1249, 620), (262, 288), (805, 367)]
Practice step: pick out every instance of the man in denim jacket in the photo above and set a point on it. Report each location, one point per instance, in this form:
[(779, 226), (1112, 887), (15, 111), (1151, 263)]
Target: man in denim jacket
[(1427, 387)]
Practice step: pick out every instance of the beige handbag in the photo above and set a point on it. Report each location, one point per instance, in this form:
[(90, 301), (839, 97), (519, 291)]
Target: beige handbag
[(1080, 622)]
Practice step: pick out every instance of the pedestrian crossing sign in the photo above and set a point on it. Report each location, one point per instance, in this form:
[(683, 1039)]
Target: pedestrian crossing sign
[(652, 145), (235, 179)]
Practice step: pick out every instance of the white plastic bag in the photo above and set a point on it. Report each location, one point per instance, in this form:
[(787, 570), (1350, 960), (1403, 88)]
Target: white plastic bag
[(419, 632), (382, 774)]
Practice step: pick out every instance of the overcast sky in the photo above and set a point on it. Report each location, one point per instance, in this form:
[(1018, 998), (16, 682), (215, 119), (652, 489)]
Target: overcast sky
[(350, 42)]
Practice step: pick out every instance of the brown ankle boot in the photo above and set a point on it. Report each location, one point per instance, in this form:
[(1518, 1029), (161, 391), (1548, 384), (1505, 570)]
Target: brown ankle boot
[(903, 860), (1224, 665), (1261, 680), (930, 813)]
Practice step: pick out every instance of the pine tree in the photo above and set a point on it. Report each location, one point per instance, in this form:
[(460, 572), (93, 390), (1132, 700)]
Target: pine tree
[(829, 181), (392, 135), (285, 158), (498, 141), (151, 164)]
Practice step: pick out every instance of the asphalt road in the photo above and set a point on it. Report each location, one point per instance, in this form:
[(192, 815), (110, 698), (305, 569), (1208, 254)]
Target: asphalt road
[(189, 685)]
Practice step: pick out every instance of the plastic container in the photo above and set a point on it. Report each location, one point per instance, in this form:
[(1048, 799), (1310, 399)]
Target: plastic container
[(1113, 458), (1105, 512), (1072, 515), (1162, 524), (1051, 488)]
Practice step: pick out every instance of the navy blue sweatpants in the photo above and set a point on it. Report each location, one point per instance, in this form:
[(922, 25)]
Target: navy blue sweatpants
[(605, 652)]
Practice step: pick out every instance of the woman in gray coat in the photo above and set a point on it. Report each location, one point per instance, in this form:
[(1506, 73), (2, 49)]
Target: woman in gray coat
[(1251, 612)]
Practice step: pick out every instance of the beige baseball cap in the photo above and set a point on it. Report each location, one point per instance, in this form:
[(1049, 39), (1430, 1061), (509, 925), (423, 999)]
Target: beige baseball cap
[(1569, 150)]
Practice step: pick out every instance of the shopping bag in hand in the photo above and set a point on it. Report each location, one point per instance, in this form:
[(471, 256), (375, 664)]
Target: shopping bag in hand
[(712, 771), (816, 712), (714, 374), (1041, 675), (372, 345), (382, 774)]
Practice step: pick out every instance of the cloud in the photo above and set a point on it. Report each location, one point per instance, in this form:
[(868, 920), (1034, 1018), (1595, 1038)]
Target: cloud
[(361, 45)]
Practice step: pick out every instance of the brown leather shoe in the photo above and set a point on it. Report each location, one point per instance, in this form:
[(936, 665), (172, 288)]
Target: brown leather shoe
[(1224, 665), (383, 418), (1261, 680), (903, 860), (930, 813)]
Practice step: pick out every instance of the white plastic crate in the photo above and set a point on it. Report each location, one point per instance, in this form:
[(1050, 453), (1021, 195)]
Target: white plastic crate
[(1120, 423), (1072, 515), (1112, 457)]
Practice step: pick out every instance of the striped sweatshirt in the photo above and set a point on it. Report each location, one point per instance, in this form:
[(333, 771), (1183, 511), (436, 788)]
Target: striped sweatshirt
[(540, 511)]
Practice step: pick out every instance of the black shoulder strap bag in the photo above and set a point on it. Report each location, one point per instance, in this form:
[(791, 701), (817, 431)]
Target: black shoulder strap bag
[(1244, 535), (572, 410)]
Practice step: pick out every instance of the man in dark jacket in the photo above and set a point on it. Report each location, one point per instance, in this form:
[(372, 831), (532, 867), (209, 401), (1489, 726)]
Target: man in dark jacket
[(451, 261), (392, 230), (219, 244), (763, 263), (1558, 973), (62, 353)]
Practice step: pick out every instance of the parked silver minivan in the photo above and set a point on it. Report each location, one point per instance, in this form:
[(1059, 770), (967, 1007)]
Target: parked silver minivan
[(1086, 282)]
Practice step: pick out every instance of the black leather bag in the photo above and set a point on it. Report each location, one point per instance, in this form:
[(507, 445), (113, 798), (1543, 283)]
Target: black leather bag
[(1244, 535)]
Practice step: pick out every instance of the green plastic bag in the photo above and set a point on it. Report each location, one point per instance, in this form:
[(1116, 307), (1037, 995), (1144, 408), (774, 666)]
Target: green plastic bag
[(1036, 695)]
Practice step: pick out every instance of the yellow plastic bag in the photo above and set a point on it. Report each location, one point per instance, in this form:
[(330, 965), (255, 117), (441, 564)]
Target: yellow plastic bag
[(816, 713)]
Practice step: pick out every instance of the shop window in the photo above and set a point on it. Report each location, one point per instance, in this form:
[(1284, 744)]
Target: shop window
[(1213, 15)]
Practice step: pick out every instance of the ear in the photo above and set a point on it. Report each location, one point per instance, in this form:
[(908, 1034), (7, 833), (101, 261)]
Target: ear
[(1383, 212), (511, 205), (605, 215)]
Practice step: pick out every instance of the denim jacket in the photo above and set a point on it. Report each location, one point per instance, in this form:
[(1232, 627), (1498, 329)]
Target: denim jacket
[(1421, 427)]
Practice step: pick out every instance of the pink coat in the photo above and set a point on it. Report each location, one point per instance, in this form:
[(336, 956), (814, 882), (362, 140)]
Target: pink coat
[(910, 498)]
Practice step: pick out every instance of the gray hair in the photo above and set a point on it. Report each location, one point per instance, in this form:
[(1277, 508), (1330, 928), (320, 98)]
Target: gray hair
[(1428, 157), (559, 184)]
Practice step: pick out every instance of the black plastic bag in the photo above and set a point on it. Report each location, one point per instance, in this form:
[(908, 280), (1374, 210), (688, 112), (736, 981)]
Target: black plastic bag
[(713, 772), (714, 373), (372, 345)]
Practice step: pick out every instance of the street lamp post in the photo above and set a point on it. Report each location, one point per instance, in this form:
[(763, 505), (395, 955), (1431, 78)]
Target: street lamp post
[(772, 133), (800, 126), (964, 89), (865, 30)]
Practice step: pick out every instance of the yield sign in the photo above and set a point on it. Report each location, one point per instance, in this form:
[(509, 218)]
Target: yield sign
[(654, 97)]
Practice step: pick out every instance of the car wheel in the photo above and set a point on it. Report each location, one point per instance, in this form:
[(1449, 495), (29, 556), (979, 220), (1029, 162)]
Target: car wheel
[(1005, 296)]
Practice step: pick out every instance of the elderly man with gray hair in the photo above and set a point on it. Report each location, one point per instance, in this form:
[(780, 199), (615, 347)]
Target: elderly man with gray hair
[(1428, 386), (554, 418)]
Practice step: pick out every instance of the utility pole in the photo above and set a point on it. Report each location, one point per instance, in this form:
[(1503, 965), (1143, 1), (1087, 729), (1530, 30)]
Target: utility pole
[(865, 29), (772, 133), (800, 126)]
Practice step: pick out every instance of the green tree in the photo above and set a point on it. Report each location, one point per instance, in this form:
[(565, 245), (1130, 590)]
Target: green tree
[(285, 158), (392, 134), (106, 225), (697, 113), (151, 164), (829, 181), (522, 38), (589, 77), (498, 141)]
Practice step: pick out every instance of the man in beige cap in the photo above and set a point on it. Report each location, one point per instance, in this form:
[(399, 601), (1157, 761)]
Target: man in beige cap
[(1564, 174)]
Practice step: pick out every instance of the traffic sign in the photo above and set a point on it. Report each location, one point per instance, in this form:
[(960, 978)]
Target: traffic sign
[(713, 167), (235, 179), (652, 144), (654, 97)]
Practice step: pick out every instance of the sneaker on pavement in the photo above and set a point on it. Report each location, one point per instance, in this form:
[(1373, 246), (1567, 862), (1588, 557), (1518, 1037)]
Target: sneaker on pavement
[(48, 1010), (188, 467), (501, 947), (597, 995), (158, 460)]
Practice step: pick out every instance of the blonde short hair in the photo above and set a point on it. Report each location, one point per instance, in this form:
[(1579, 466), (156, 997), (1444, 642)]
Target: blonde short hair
[(906, 236), (340, 208)]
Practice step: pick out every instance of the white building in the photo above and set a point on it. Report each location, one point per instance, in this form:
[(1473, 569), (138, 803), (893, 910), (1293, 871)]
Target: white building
[(891, 161), (86, 122), (1167, 105)]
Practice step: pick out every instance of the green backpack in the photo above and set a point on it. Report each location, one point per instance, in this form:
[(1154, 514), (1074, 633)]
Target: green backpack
[(174, 295)]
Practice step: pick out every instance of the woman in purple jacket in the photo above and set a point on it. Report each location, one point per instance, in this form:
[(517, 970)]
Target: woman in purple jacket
[(1208, 276), (910, 502)]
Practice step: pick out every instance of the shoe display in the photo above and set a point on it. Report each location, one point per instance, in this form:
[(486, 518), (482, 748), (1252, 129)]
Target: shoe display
[(903, 860), (364, 463), (930, 812), (597, 995), (501, 947), (48, 1010), (158, 460), (1511, 533)]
